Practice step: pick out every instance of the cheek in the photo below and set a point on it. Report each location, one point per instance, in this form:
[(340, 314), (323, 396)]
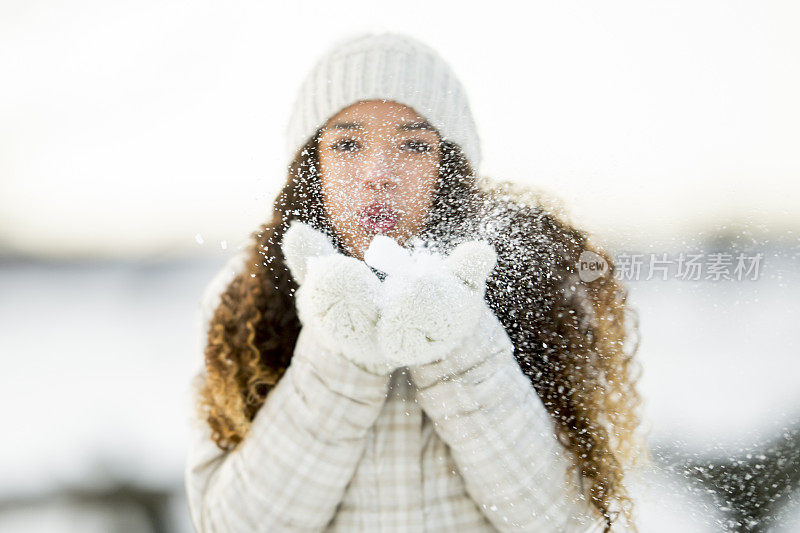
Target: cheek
[(337, 199), (338, 186), (341, 199), (419, 187)]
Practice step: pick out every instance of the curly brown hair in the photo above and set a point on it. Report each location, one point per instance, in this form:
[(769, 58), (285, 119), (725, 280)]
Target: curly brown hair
[(575, 340)]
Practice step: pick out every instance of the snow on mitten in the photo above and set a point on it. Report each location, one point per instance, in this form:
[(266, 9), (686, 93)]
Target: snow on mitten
[(430, 303), (337, 296)]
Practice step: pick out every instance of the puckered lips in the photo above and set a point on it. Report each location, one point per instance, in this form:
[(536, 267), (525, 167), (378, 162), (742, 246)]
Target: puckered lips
[(377, 217)]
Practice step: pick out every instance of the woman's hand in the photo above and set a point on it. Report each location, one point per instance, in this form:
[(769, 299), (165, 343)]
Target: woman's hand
[(429, 303), (426, 306), (337, 296)]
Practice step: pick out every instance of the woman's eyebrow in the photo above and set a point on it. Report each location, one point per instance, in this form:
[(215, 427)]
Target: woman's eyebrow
[(421, 125), (348, 126)]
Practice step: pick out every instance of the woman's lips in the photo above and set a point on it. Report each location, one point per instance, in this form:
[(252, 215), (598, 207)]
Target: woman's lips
[(377, 218)]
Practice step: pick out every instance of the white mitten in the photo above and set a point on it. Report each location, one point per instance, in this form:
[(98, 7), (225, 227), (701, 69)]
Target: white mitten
[(430, 303), (337, 296)]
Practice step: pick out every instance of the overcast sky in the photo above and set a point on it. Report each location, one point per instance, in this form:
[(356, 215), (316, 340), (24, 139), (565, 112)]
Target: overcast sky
[(132, 128)]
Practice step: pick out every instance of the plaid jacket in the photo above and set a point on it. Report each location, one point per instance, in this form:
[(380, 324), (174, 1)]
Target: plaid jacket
[(463, 444)]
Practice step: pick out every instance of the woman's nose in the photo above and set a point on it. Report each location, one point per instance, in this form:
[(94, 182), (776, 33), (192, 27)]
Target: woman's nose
[(378, 175), (379, 182)]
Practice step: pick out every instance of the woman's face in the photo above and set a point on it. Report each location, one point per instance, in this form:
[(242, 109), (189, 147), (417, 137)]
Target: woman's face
[(379, 163)]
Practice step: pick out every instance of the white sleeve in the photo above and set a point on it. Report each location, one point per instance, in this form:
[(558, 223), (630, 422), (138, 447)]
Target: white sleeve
[(501, 436), (290, 471)]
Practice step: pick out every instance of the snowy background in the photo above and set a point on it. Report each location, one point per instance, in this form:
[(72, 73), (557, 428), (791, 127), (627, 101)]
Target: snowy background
[(140, 143)]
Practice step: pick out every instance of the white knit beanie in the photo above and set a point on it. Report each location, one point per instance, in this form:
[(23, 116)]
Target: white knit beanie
[(387, 66)]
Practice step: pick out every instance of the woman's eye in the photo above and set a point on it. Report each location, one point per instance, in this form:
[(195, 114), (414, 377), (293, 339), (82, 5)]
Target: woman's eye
[(345, 145), (416, 146)]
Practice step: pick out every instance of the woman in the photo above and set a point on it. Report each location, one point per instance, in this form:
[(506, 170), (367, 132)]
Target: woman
[(466, 380)]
